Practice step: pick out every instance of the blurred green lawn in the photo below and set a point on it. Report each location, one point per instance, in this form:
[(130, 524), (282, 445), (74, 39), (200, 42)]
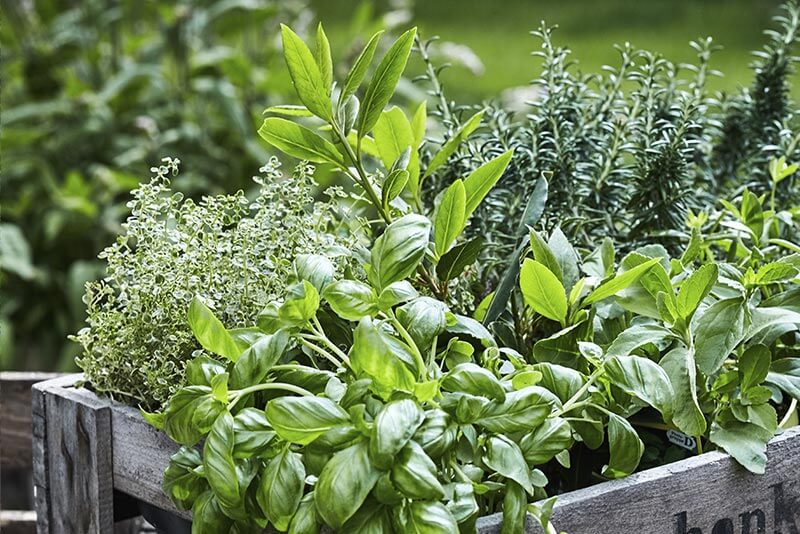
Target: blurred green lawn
[(498, 31)]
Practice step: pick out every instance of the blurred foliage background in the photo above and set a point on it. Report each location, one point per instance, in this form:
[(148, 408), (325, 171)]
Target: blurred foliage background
[(95, 92)]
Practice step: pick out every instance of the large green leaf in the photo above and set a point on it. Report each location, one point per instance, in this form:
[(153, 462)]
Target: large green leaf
[(208, 516), (360, 66), (181, 482), (351, 299), (414, 474), (680, 367), (393, 427), (521, 410), (252, 433), (625, 447), (323, 58), (452, 144), (428, 517), (424, 318), (210, 332), (305, 74), (644, 380), (344, 484), (451, 217), (397, 253), (553, 436), (458, 258), (281, 488), (637, 336), (695, 288), (299, 142), (746, 442), (620, 282), (542, 291), (504, 457), (515, 509), (474, 379), (393, 136), (218, 464), (376, 355), (180, 412), (718, 330), (383, 82), (481, 180), (785, 373), (254, 363), (303, 419)]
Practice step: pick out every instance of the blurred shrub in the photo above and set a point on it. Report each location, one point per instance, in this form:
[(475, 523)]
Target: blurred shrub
[(93, 93)]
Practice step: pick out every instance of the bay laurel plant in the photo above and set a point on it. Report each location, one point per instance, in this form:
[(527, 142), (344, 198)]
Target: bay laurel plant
[(365, 400)]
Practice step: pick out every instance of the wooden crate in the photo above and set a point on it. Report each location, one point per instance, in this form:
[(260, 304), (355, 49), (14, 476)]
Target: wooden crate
[(86, 446)]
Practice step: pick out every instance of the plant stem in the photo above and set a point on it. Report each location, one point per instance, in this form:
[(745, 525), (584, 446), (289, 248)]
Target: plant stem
[(240, 393), (573, 402), (322, 352), (418, 359)]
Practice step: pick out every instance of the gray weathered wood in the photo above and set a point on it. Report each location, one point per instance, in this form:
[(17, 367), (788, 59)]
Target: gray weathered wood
[(77, 459), (711, 493), (15, 417), (17, 521)]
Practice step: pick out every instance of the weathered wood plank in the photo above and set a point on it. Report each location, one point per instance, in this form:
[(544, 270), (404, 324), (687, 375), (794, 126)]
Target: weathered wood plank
[(17, 522), (15, 417), (707, 494), (78, 459)]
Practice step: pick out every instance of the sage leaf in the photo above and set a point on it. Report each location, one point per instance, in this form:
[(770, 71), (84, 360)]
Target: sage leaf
[(754, 364), (746, 442), (695, 288), (718, 330), (637, 336), (644, 380), (625, 447), (785, 373), (680, 366)]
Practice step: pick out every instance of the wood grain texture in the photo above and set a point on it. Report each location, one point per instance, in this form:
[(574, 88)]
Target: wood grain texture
[(17, 522), (77, 458), (15, 417), (711, 494)]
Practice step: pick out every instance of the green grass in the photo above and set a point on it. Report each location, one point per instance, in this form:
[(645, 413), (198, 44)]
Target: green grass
[(498, 31)]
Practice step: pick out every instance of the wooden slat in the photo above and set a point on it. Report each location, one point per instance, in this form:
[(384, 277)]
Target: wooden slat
[(15, 417), (17, 522), (77, 451), (711, 494)]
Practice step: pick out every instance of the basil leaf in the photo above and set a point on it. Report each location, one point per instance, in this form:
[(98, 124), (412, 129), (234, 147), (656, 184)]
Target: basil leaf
[(427, 517), (219, 388), (180, 411), (393, 427), (504, 457), (451, 216), (299, 142), (480, 181), (208, 517), (542, 291), (515, 508), (458, 258), (414, 474), (625, 447), (644, 380), (359, 68), (344, 484), (695, 288), (680, 367), (474, 379), (371, 518), (316, 268), (424, 318), (384, 80), (305, 518), (252, 433), (218, 464), (397, 253), (550, 438), (377, 355), (351, 299), (301, 304), (305, 74), (462, 505), (719, 329), (281, 487), (396, 293), (303, 419), (201, 369), (254, 363), (437, 434), (181, 482), (209, 331), (521, 410)]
